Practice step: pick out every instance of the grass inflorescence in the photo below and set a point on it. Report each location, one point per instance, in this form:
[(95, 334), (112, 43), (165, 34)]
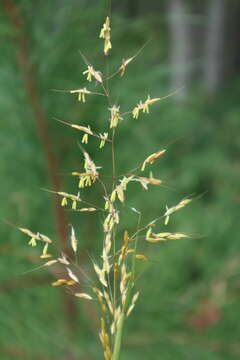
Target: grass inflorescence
[(114, 287)]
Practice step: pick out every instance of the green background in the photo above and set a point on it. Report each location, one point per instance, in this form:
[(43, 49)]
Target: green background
[(189, 303)]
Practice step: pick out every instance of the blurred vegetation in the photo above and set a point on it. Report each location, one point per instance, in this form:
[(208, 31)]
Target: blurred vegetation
[(190, 292)]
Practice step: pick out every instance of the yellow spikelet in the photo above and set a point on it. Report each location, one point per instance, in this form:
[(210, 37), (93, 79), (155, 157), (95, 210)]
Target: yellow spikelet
[(105, 33), (152, 158), (83, 296), (141, 257)]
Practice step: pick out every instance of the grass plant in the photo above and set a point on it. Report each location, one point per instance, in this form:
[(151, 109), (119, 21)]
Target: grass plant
[(114, 286)]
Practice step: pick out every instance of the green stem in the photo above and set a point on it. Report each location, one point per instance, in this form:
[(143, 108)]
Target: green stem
[(118, 338)]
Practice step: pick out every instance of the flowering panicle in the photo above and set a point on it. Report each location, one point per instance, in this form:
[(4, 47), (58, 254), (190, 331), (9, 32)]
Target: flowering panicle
[(115, 269)]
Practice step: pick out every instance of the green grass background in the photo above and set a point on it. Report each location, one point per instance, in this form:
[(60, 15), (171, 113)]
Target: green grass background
[(189, 281)]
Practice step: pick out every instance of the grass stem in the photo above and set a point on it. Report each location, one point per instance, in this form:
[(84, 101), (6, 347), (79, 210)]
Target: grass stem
[(118, 338)]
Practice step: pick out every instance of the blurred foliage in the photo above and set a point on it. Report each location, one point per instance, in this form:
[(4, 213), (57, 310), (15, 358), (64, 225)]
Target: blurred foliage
[(186, 279)]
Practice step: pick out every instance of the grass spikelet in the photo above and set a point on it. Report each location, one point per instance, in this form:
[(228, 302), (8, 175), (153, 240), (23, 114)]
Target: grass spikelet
[(173, 209), (50, 262), (105, 33), (141, 257), (72, 275), (152, 158), (60, 282), (101, 274), (73, 239), (133, 303), (83, 296), (90, 72)]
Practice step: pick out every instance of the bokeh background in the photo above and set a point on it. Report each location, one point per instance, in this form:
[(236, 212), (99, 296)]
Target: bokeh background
[(190, 293)]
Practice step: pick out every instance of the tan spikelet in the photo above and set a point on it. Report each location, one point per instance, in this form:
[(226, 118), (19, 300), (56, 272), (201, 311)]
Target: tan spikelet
[(72, 275), (83, 296)]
